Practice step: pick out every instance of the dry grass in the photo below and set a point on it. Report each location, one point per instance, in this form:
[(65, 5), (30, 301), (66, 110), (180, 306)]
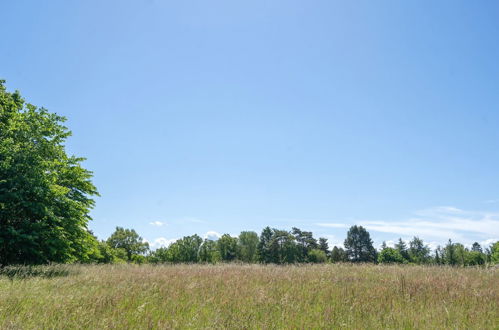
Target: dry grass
[(253, 296)]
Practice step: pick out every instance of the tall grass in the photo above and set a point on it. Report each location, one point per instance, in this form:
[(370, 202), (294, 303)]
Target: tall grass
[(254, 296)]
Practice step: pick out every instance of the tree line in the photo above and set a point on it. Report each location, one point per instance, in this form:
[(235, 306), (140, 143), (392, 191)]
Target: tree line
[(278, 246), (46, 196)]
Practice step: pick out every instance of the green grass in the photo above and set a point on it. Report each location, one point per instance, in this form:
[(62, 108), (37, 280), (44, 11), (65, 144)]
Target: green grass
[(253, 296)]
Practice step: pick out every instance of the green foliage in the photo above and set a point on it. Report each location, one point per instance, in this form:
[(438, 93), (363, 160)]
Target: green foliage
[(359, 246), (279, 247), (108, 255), (449, 254), (159, 255), (264, 245), (209, 252), (461, 253), (129, 241), (475, 258), (338, 255), (45, 194), (305, 242), (324, 246), (227, 246), (185, 249), (390, 255), (476, 247), (456, 254), (247, 246), (283, 247), (317, 256), (402, 249), (418, 252), (494, 249)]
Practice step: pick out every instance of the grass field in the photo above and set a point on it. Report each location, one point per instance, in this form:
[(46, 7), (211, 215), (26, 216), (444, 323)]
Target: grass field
[(253, 296)]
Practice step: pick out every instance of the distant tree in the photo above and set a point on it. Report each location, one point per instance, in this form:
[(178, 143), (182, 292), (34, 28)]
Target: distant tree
[(338, 255), (317, 256), (494, 253), (283, 248), (437, 259), (438, 254), (186, 249), (247, 246), (449, 254), (108, 255), (45, 194), (402, 248), (324, 246), (264, 246), (390, 255), (227, 246), (359, 246), (475, 258), (305, 242), (460, 253), (476, 247), (128, 240), (419, 253), (209, 252), (160, 255)]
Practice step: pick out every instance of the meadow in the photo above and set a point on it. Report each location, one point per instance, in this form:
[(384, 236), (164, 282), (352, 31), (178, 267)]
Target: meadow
[(250, 296)]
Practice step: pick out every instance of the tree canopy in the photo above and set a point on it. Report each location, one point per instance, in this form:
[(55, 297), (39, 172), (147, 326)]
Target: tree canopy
[(359, 246), (45, 194), (129, 241)]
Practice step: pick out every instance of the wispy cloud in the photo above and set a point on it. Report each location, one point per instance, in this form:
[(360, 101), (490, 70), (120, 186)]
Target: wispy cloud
[(332, 225), (157, 223), (438, 223)]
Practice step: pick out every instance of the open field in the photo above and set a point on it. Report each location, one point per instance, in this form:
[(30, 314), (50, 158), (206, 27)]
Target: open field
[(253, 296)]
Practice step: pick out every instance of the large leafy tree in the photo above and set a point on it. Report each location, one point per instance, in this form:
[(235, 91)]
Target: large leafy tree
[(185, 249), (359, 246), (247, 246), (494, 252), (45, 194), (450, 254), (283, 248), (390, 255), (305, 242), (338, 255), (324, 246), (128, 240), (208, 251), (227, 245), (277, 246), (402, 248), (419, 253), (264, 245)]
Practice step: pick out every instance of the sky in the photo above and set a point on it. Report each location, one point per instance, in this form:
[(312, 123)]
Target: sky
[(214, 117)]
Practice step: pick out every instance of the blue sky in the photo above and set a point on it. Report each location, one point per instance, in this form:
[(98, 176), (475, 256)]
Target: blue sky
[(222, 116)]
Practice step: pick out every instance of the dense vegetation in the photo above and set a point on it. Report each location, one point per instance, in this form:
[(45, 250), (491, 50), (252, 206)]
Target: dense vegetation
[(46, 197), (284, 247), (45, 194)]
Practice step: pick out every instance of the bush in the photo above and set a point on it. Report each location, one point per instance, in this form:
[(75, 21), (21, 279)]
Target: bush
[(390, 255), (317, 256)]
